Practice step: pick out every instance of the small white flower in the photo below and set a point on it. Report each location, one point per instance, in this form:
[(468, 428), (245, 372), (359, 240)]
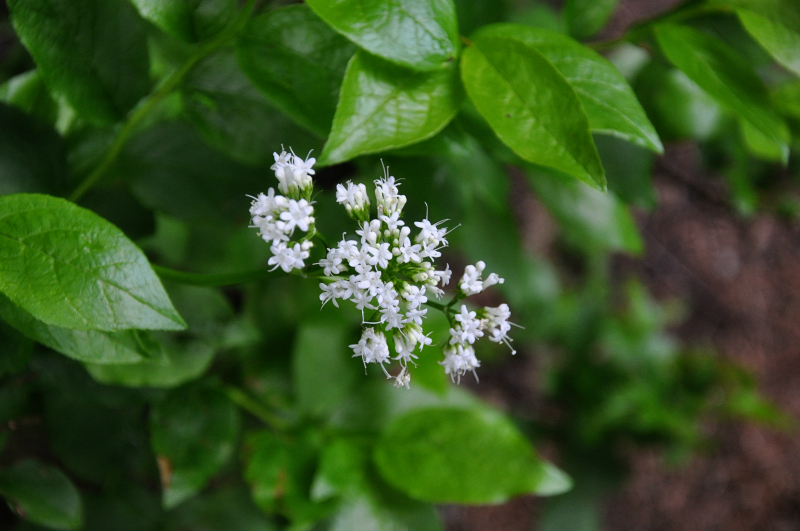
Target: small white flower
[(332, 264), (403, 379), (468, 329), (298, 215)]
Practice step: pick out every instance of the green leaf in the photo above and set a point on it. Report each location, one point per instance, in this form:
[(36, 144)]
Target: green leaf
[(761, 145), (226, 509), (32, 155), (298, 61), (193, 432), (233, 116), (382, 107), (531, 106), (323, 369), (28, 92), (445, 455), (92, 346), (724, 75), (628, 170), (554, 481), (421, 34), (609, 102), (69, 267), (41, 494), (777, 39), (93, 52), (591, 221), (190, 20), (783, 12), (586, 17), (364, 513)]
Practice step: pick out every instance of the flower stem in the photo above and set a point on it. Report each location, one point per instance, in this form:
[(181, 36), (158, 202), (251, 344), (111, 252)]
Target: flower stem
[(245, 401)]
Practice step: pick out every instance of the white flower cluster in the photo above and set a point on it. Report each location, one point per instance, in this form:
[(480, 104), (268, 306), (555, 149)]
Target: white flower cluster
[(280, 219), (390, 274)]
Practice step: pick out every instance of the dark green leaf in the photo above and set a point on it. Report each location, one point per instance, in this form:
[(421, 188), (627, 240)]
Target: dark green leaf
[(190, 20), (323, 369), (382, 107), (784, 12), (628, 170), (28, 92), (234, 116), (298, 61), (724, 75), (591, 221), (41, 494), (777, 39), (193, 432), (531, 106), (93, 52), (68, 267), (421, 34), (609, 102), (458, 456), (32, 155), (227, 509), (92, 346), (587, 17)]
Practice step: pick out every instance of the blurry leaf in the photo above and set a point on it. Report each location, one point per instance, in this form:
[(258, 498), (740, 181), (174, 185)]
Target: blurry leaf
[(298, 61), (93, 52), (193, 432), (475, 13), (783, 12), (777, 39), (117, 205), (458, 456), (628, 170), (171, 169), (226, 509), (190, 20), (127, 507), (16, 351), (68, 267), (421, 34), (28, 92), (592, 221), (587, 17), (541, 15), (233, 116), (41, 494), (280, 470), (323, 369), (32, 155), (609, 102), (83, 345), (382, 107), (786, 98), (677, 106), (531, 106), (428, 373), (761, 145), (724, 75), (365, 514), (554, 481)]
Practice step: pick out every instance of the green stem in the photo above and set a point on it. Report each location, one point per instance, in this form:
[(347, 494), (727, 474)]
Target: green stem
[(151, 101), (215, 280), (245, 401)]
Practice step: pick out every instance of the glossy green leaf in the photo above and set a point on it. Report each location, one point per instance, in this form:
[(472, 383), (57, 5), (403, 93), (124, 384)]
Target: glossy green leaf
[(93, 52), (92, 346), (68, 267), (421, 34), (193, 432), (41, 494), (724, 75), (298, 61), (591, 221), (531, 106), (233, 116), (586, 17), (28, 92), (190, 20), (32, 155), (609, 102), (781, 42), (444, 455), (383, 107), (323, 368)]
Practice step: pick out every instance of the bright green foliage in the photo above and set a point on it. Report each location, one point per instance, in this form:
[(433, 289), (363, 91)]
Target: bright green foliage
[(777, 39), (587, 17), (43, 494), (458, 456), (193, 432), (531, 106), (419, 34), (28, 92), (190, 20), (298, 61), (92, 52), (725, 76), (68, 267), (382, 107)]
